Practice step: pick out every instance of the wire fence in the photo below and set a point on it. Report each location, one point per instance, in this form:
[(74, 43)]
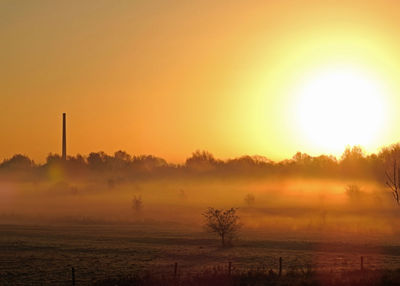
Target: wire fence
[(72, 275)]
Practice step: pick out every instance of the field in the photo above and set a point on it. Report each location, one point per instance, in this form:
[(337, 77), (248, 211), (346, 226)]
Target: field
[(44, 255), (46, 229)]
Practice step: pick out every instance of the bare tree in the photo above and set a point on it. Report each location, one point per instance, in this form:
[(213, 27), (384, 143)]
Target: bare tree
[(225, 223), (393, 181), (249, 199), (354, 193), (137, 203)]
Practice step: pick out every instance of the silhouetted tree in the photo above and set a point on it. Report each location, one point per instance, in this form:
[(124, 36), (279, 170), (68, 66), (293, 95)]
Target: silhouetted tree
[(387, 154), (122, 166), (148, 163), (353, 162), (53, 159), (249, 199), (121, 160), (393, 181), (78, 160), (137, 203), (354, 193), (202, 161), (98, 160), (18, 162), (353, 154), (122, 156), (225, 223), (247, 165), (76, 164)]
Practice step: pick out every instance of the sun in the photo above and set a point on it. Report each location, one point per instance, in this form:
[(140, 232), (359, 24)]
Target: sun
[(340, 106)]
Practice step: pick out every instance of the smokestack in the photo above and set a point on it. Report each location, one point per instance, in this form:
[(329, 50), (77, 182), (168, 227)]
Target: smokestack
[(64, 138)]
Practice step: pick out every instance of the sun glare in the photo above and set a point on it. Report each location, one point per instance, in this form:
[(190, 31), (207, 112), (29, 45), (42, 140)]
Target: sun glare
[(339, 107)]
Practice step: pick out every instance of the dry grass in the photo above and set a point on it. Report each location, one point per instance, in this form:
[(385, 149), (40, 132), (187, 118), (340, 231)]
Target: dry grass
[(145, 253)]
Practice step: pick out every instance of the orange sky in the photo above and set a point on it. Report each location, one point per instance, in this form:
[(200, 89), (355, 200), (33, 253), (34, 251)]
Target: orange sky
[(169, 77)]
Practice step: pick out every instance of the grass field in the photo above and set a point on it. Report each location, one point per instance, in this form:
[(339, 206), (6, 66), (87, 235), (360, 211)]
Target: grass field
[(44, 255)]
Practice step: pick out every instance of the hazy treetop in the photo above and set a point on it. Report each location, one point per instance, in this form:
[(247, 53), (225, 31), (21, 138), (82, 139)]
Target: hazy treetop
[(353, 163)]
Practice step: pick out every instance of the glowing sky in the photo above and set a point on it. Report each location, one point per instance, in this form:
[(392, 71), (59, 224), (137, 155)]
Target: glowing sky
[(169, 77)]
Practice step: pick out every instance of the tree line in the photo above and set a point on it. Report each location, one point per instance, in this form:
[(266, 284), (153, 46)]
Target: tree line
[(353, 163)]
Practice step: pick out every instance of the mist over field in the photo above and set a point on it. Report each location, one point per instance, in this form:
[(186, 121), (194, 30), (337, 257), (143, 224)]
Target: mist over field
[(309, 196)]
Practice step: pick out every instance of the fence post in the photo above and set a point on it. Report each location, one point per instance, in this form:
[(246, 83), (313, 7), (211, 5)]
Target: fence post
[(230, 268), (280, 266), (362, 263), (175, 270), (73, 276)]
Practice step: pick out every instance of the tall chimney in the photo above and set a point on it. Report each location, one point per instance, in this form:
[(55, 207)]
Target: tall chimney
[(64, 138)]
